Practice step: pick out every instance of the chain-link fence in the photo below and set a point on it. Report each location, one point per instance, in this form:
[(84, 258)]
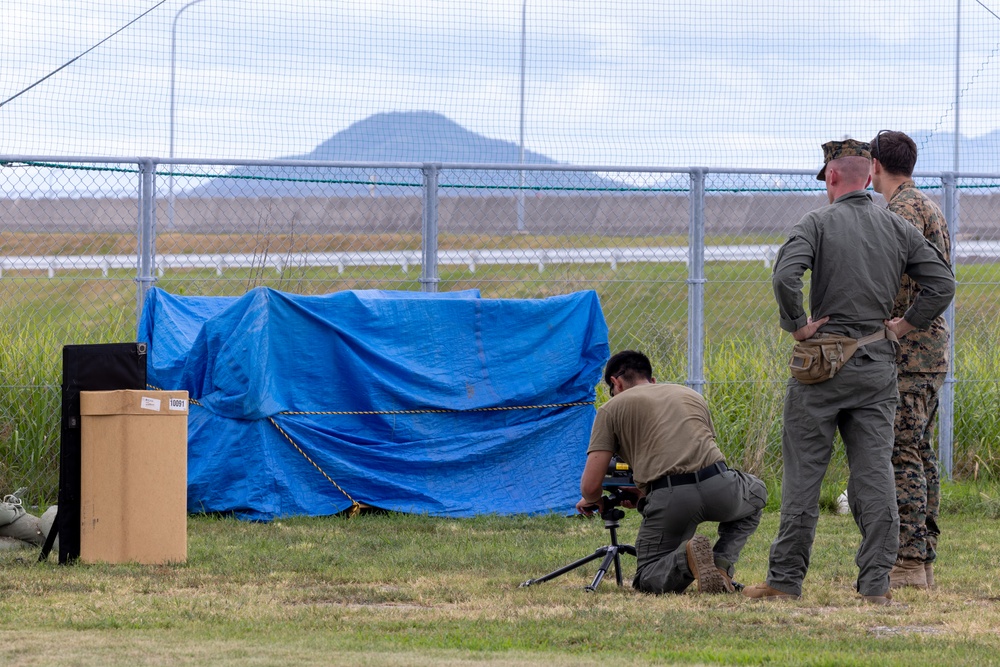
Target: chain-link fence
[(680, 259)]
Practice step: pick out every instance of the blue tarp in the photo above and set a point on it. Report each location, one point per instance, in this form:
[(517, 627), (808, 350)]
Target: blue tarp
[(446, 404)]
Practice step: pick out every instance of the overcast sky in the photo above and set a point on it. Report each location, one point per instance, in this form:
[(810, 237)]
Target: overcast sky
[(626, 82)]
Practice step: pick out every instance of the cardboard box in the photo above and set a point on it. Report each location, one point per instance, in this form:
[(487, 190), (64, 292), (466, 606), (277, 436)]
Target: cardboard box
[(133, 476)]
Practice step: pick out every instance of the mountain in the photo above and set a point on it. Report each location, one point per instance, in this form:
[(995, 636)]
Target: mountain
[(397, 137), (417, 136), (936, 152), (428, 137)]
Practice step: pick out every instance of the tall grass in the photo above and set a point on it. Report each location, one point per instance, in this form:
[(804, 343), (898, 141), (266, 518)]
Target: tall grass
[(977, 399), (30, 397), (645, 306), (745, 384), (29, 409), (746, 392)]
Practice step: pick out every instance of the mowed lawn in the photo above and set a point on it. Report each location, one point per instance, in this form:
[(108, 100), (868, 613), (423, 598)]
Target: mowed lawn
[(388, 589)]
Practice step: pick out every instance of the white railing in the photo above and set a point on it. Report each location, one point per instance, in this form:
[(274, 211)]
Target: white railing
[(963, 251), (404, 259)]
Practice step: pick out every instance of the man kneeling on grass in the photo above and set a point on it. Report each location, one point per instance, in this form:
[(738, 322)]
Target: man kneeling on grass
[(665, 433)]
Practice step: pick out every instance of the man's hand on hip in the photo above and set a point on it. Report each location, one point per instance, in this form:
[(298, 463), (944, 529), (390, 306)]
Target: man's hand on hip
[(810, 329), (899, 326)]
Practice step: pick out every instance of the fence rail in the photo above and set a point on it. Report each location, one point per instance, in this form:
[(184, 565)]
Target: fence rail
[(539, 258)]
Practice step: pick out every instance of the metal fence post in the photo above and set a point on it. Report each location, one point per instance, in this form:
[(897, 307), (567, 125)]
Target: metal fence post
[(146, 235), (429, 236), (696, 281), (946, 405)]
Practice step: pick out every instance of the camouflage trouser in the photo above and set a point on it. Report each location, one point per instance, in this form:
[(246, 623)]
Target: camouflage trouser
[(918, 484)]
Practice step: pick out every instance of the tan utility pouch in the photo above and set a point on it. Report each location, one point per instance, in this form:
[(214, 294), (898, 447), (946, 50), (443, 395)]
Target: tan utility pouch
[(818, 359)]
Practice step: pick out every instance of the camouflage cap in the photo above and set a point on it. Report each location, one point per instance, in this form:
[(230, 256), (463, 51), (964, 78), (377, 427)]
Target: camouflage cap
[(833, 150)]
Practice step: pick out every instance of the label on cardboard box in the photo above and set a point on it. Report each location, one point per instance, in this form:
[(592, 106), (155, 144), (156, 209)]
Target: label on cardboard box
[(169, 404)]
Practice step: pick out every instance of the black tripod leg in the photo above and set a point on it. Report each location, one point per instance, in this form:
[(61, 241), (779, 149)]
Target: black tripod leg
[(618, 550), (618, 568), (566, 568), (609, 558), (622, 549)]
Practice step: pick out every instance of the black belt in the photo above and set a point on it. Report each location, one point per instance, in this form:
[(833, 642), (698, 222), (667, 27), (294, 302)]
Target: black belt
[(688, 477)]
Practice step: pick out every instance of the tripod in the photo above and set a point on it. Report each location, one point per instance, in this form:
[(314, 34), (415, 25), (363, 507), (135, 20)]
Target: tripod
[(611, 552)]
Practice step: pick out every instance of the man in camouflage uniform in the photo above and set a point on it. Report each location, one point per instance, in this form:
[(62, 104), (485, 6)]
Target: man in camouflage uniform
[(857, 254), (922, 363)]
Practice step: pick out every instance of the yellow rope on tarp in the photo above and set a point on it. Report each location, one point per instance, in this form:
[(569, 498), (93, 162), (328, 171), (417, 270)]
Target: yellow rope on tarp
[(355, 505), (435, 410)]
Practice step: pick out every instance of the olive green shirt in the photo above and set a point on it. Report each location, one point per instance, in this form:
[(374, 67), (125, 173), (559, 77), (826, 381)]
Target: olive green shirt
[(922, 350), (658, 429), (857, 253)]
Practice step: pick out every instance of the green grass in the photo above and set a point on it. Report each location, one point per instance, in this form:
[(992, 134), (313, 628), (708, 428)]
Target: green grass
[(386, 589)]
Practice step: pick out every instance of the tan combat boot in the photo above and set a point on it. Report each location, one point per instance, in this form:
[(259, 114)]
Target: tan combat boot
[(765, 592), (908, 573), (882, 600), (929, 571), (701, 562), (726, 580)]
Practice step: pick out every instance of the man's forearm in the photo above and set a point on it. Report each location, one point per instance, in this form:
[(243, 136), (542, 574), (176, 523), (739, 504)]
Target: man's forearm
[(791, 313), (591, 494), (592, 480)]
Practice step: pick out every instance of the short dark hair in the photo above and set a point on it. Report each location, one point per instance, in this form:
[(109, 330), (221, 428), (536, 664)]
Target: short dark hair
[(628, 365), (895, 151)]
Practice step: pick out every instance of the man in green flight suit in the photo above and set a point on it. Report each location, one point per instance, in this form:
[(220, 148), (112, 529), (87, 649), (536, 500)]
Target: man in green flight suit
[(857, 253)]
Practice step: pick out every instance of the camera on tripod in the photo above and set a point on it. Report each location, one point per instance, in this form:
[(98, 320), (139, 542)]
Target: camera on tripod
[(619, 487)]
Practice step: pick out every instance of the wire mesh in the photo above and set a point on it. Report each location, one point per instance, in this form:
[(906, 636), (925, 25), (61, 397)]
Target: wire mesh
[(385, 89), (70, 269), (976, 359)]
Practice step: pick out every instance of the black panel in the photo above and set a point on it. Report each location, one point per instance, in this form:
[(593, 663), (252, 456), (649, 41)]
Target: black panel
[(99, 367)]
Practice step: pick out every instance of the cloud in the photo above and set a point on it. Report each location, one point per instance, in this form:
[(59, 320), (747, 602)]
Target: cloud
[(718, 82)]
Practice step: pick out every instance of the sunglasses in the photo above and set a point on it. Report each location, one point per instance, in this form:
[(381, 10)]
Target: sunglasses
[(877, 153), (611, 385)]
